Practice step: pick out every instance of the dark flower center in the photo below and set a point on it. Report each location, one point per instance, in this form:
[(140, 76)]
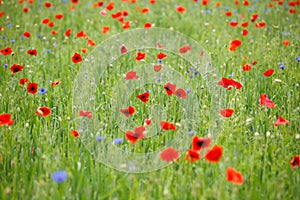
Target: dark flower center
[(200, 143), (16, 69), (32, 88)]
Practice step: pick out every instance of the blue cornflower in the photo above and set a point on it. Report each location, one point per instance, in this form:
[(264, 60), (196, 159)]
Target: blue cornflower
[(12, 41), (118, 141), (298, 58), (39, 35), (159, 61), (5, 66), (281, 66), (9, 25), (48, 51), (188, 91), (99, 138), (191, 133), (43, 91), (3, 37), (59, 176)]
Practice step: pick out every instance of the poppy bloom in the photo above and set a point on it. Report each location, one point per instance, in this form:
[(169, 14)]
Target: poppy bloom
[(265, 101), (233, 23), (43, 111), (244, 24), (91, 43), (85, 114), (226, 83), (170, 88), (228, 13), (157, 68), (169, 154), (161, 56), (48, 4), (140, 56), (244, 32), (199, 143), (180, 9), (26, 34), (234, 44), (281, 121), (180, 93), (295, 162), (145, 10), (75, 133), (167, 126), (59, 16), (23, 81), (214, 154), (269, 72), (32, 52), (32, 88), (127, 111), (76, 58), (192, 155), (55, 83), (254, 17), (260, 25), (5, 119), (226, 112), (131, 76), (286, 43), (234, 176), (147, 122), (135, 135), (6, 51), (105, 29), (51, 24), (15, 68), (123, 49), (68, 32), (144, 97), (110, 6), (246, 67), (184, 49), (126, 25), (75, 1), (81, 34), (45, 21), (147, 25), (84, 50)]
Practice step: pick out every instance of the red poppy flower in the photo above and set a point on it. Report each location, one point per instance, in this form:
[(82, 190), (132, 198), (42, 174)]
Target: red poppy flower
[(265, 101), (260, 25), (160, 46), (281, 121), (53, 32), (51, 24), (234, 44), (135, 135), (116, 15), (180, 9), (6, 51), (169, 154), (244, 24), (226, 83), (184, 49), (147, 122), (140, 56), (48, 4), (45, 21), (144, 97), (226, 112), (161, 55), (233, 23), (192, 155), (59, 16), (55, 83), (269, 72), (68, 32), (170, 88), (75, 1), (254, 17), (293, 3), (23, 81), (81, 34), (157, 68), (98, 4), (105, 29), (228, 13), (180, 93), (15, 68), (167, 126), (76, 58), (26, 34), (244, 32), (254, 63), (25, 10), (145, 10), (204, 2), (75, 133), (126, 25), (234, 176), (32, 88), (131, 76), (152, 1), (199, 143), (125, 13), (127, 111), (32, 52), (295, 162), (5, 119), (91, 43), (2, 13), (110, 6), (286, 43), (292, 11), (43, 111), (246, 67), (147, 25), (214, 154), (246, 3), (85, 114), (123, 49)]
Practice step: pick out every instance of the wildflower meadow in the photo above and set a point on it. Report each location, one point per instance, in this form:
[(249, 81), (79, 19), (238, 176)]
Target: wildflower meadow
[(149, 99)]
